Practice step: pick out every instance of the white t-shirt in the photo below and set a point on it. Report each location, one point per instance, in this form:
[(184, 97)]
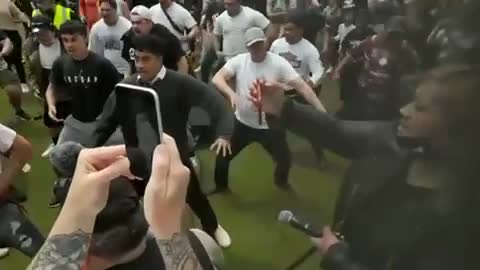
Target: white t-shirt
[(106, 40), (48, 55), (246, 71), (180, 16), (303, 57), (233, 29), (7, 136)]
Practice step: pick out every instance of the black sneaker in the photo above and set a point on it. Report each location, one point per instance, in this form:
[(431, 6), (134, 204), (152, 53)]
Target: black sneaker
[(54, 202), (21, 114)]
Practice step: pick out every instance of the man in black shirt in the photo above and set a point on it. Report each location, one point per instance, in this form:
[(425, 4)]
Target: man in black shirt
[(83, 77), (142, 24), (177, 93)]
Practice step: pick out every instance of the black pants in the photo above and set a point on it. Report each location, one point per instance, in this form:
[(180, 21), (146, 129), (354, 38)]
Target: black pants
[(199, 203), (273, 141), (15, 57), (17, 231)]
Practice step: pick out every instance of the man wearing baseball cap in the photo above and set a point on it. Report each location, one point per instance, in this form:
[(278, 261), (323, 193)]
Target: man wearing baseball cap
[(40, 51), (250, 125), (142, 24)]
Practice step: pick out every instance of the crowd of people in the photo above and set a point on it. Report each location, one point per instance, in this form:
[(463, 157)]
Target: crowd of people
[(407, 76)]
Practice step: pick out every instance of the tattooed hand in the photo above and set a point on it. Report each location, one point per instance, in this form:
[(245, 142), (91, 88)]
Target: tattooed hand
[(66, 248), (178, 254), (63, 251)]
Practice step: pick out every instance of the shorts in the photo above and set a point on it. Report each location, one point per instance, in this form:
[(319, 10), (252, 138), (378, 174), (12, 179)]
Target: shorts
[(8, 77), (64, 109)]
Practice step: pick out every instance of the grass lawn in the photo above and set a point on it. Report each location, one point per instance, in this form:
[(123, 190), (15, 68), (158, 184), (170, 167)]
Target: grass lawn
[(249, 214)]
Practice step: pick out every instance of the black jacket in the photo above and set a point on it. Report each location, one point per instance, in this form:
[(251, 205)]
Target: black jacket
[(178, 93), (173, 48), (388, 223)]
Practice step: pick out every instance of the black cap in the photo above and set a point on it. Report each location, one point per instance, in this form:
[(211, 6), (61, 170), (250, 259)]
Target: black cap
[(40, 22)]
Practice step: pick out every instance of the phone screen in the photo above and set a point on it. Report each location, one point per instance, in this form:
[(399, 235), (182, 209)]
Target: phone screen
[(141, 107)]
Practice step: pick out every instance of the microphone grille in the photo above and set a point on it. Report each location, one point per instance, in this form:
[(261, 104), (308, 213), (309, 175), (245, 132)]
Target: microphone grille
[(284, 216)]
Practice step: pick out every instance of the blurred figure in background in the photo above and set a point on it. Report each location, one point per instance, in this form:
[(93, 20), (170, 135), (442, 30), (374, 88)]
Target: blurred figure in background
[(58, 13)]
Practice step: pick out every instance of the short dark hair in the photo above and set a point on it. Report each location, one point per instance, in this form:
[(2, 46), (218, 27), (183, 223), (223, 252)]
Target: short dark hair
[(72, 27), (112, 3), (149, 43), (121, 226), (297, 17)]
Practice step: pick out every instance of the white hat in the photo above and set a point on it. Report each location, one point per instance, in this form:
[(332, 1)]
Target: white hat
[(254, 35), (140, 13)]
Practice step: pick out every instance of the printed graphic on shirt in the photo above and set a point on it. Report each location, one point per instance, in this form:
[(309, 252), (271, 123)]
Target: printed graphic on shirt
[(113, 43), (292, 59), (86, 80)]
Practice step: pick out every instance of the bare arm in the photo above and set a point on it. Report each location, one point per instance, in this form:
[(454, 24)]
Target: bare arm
[(178, 253), (194, 32), (182, 65), (125, 10), (50, 96), (220, 80), (18, 155), (17, 14), (306, 91)]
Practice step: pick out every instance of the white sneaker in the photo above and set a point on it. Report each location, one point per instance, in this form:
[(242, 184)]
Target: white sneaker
[(4, 252), (222, 237), (25, 88), (47, 151), (26, 168), (195, 164)]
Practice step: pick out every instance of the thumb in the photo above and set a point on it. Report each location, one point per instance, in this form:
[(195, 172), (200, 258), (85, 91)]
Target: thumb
[(120, 167), (327, 231), (160, 164)]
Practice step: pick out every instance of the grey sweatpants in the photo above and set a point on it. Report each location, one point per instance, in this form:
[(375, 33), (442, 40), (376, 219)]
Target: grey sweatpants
[(83, 133)]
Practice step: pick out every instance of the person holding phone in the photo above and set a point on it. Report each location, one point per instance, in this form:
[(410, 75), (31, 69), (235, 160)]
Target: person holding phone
[(177, 93)]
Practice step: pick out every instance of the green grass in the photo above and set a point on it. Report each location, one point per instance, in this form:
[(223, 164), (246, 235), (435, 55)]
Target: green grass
[(249, 214)]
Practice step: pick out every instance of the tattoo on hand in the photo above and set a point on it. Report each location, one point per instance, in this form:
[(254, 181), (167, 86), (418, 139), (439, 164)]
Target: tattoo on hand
[(178, 254), (63, 251)]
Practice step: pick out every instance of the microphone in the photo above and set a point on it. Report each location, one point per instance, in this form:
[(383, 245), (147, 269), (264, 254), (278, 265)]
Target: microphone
[(288, 217), (64, 157)]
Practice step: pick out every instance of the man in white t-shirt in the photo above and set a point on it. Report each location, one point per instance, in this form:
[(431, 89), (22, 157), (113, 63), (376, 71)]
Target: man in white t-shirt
[(177, 19), (231, 25), (106, 36), (250, 125), (299, 52), (15, 151)]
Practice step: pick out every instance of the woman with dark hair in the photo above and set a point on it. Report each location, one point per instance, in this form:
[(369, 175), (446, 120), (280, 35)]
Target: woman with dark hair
[(410, 197)]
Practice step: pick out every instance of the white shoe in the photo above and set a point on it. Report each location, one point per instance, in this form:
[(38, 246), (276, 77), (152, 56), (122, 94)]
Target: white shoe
[(25, 88), (222, 237), (4, 252), (47, 151), (26, 168), (195, 163)]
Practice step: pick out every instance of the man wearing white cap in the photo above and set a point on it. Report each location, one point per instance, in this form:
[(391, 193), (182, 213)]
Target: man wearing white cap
[(250, 125), (142, 24)]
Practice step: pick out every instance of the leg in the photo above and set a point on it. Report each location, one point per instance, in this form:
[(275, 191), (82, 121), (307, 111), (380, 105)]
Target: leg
[(199, 203), (241, 137), (275, 143), (18, 232), (15, 58), (10, 82)]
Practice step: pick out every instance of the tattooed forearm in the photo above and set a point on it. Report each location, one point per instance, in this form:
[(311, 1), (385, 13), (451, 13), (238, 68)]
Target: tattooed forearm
[(63, 251), (178, 254)]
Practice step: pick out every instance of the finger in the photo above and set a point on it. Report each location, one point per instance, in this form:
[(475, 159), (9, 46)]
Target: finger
[(106, 153), (172, 149), (121, 167), (224, 150), (179, 186), (219, 148), (213, 146), (327, 231), (229, 149), (160, 165)]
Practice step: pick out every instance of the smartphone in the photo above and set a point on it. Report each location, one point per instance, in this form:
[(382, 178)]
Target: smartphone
[(141, 108)]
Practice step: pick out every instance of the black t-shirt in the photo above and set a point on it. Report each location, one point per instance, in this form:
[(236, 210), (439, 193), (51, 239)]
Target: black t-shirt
[(88, 83), (150, 259), (173, 48)]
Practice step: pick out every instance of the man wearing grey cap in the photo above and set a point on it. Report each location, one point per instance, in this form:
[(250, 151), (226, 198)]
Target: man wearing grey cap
[(250, 125)]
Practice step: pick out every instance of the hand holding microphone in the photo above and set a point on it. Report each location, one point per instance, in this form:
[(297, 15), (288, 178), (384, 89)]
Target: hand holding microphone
[(323, 240)]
